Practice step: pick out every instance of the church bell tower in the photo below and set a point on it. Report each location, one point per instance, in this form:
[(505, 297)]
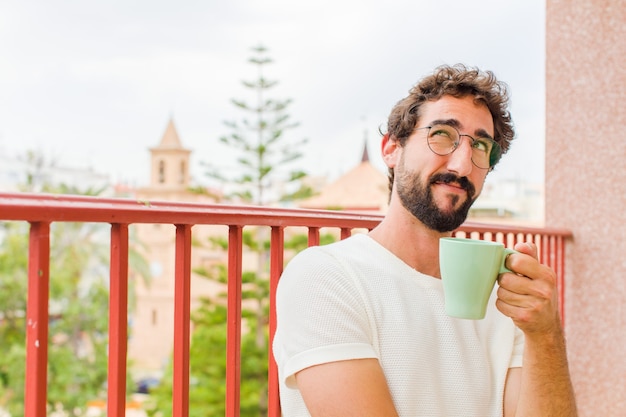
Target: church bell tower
[(169, 161)]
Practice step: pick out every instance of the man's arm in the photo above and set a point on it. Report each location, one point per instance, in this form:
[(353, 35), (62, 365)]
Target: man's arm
[(543, 386), (350, 388)]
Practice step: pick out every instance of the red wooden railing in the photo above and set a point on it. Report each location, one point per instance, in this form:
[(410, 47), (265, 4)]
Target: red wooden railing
[(41, 210)]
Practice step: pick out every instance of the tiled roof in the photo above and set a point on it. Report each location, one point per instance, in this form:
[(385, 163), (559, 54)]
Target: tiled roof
[(362, 188)]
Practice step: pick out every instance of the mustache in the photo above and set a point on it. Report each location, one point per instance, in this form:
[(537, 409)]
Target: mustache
[(448, 178)]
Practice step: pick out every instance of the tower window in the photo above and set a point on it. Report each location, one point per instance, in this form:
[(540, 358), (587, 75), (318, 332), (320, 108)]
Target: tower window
[(181, 180), (161, 172)]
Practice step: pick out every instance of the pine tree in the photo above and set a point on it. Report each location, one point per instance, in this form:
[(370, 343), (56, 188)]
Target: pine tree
[(266, 154), (265, 157)]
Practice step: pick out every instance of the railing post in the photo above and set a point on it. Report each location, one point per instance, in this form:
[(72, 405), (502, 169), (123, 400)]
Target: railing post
[(314, 236), (559, 266), (118, 321), (233, 339), (35, 397), (277, 248), (182, 303)]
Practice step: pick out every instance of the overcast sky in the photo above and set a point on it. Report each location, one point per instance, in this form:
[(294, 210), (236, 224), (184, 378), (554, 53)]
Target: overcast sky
[(94, 83)]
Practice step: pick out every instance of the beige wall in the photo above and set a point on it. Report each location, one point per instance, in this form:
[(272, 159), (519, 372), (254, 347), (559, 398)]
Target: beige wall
[(170, 168), (151, 340), (586, 189)]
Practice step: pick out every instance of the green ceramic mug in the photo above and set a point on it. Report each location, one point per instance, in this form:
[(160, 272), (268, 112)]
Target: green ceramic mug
[(469, 269)]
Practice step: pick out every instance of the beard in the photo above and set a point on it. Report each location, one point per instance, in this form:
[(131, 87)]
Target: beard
[(416, 196)]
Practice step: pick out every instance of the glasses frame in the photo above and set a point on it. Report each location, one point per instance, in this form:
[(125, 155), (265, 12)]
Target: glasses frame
[(494, 155)]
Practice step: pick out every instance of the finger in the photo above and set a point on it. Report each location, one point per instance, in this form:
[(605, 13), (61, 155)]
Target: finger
[(528, 266), (511, 310), (530, 311), (527, 248), (513, 282), (518, 314), (536, 317), (541, 285), (512, 298)]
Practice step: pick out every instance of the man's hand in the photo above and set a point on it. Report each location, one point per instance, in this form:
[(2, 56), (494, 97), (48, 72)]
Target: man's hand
[(529, 296)]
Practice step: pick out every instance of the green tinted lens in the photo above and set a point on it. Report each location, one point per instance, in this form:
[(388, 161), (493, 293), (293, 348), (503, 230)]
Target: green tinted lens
[(496, 153)]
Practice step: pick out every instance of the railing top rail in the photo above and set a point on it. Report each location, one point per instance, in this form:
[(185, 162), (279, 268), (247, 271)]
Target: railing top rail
[(35, 207), (61, 207), (505, 228)]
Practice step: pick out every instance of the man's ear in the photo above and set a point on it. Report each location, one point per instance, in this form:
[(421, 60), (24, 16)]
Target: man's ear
[(390, 149)]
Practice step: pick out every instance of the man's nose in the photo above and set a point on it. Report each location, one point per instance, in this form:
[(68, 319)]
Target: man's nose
[(460, 161)]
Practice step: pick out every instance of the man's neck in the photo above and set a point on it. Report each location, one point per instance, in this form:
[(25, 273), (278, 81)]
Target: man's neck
[(410, 240)]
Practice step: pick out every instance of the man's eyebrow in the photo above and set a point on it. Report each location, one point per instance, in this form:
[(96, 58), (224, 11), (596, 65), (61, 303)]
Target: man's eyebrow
[(479, 133), (482, 133), (448, 122)]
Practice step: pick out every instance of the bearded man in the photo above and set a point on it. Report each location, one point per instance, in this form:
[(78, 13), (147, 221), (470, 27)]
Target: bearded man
[(361, 326)]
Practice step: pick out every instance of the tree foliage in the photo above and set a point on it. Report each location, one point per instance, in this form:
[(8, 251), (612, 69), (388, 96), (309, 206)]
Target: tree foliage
[(266, 155), (77, 360), (207, 391), (78, 306)]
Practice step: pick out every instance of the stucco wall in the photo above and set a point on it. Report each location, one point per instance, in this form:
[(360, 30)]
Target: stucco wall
[(586, 189)]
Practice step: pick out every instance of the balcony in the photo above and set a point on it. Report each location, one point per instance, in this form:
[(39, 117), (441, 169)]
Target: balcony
[(39, 211)]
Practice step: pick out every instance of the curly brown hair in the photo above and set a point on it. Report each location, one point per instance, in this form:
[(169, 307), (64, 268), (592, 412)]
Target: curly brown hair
[(457, 81)]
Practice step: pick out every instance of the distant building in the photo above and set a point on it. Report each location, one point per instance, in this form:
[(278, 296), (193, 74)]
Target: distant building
[(510, 201), (152, 322), (17, 172), (363, 188)]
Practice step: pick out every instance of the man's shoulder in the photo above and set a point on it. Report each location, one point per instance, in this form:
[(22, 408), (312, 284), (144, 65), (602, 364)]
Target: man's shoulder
[(356, 243), (332, 255)]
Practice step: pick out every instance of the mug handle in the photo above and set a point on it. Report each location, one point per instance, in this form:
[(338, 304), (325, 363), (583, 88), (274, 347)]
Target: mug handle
[(505, 255)]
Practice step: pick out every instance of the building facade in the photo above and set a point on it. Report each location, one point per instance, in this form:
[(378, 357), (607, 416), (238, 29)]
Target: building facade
[(152, 322), (586, 191)]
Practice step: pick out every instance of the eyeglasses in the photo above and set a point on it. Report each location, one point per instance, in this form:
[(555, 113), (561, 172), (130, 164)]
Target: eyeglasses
[(444, 139)]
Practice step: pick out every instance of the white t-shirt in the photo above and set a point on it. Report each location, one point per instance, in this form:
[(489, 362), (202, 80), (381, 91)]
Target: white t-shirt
[(354, 299)]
